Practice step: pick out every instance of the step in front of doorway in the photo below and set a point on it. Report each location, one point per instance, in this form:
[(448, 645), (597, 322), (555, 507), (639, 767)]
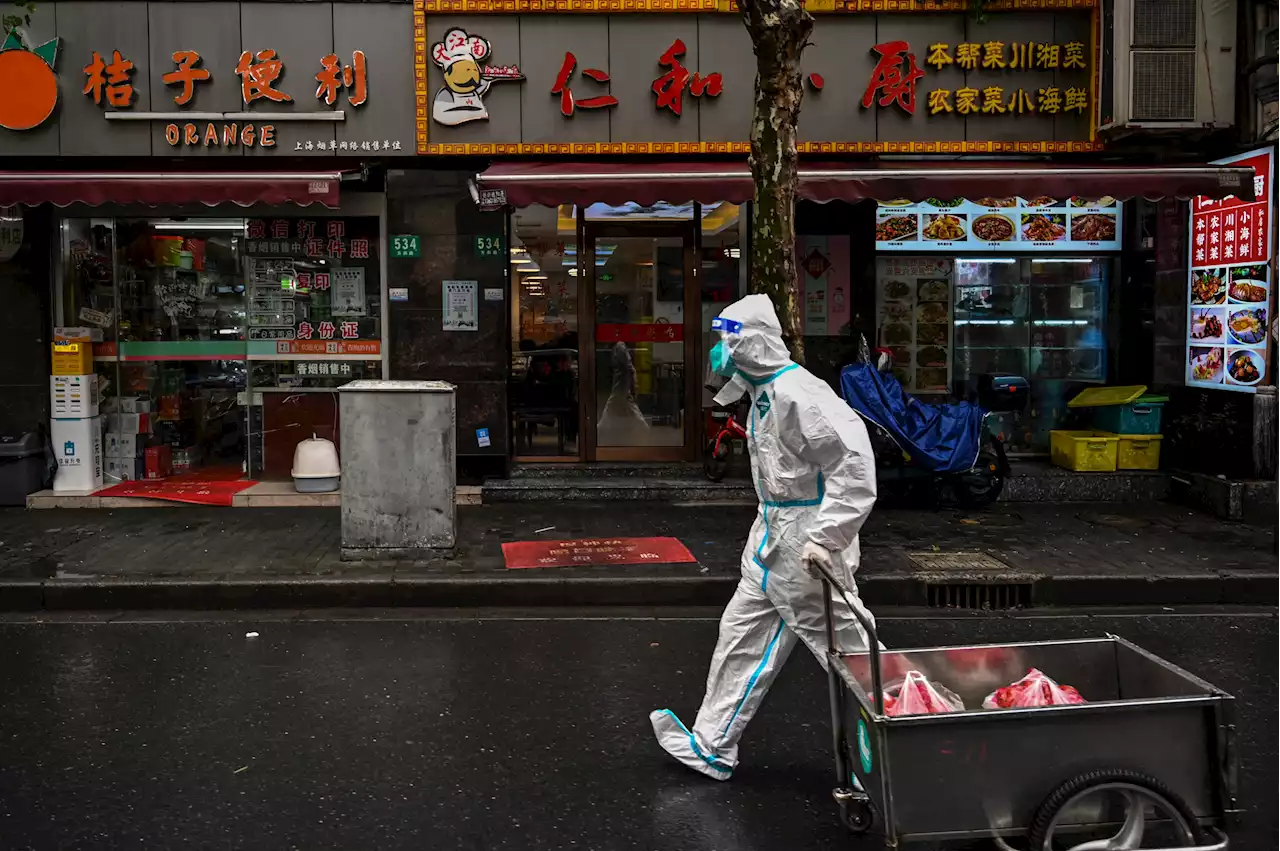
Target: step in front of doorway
[(617, 489)]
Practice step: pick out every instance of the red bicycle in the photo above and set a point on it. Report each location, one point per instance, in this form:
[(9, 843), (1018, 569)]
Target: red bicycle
[(725, 430)]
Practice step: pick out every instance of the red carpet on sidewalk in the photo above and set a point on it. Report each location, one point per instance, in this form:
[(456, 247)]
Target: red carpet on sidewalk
[(596, 552), (216, 486)]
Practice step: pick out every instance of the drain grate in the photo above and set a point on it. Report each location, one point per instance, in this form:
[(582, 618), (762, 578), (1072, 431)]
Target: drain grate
[(978, 596), (964, 561)]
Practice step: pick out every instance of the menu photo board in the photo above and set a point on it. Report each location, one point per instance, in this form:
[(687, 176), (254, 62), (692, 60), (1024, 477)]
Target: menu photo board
[(1230, 289), (999, 224), (913, 306)]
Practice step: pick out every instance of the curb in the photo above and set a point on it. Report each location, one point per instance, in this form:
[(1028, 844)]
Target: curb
[(495, 592)]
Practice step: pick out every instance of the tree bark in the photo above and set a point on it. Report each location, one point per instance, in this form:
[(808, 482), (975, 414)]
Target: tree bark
[(779, 31)]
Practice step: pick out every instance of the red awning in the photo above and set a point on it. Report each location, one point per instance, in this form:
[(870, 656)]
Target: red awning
[(581, 183), (62, 188)]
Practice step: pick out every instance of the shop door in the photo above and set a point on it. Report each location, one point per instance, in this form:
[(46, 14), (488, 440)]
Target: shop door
[(640, 352)]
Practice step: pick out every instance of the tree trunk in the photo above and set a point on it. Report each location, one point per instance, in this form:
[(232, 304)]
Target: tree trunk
[(779, 32)]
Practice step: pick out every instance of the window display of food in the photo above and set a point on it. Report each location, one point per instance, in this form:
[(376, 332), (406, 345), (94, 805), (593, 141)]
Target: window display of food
[(944, 227), (996, 222), (993, 228), (1248, 326), (1206, 365), (1042, 227), (892, 227), (913, 305), (1244, 366), (1093, 227), (1206, 325), (1207, 286)]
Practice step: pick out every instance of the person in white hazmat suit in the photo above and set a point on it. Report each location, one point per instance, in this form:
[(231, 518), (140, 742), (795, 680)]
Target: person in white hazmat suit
[(814, 473)]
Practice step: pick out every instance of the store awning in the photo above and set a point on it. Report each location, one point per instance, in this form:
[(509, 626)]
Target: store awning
[(153, 189), (550, 184)]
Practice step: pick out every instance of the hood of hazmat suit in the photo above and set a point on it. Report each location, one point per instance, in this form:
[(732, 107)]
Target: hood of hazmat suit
[(814, 473)]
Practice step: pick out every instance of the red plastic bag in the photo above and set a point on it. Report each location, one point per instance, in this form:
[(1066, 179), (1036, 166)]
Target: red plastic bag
[(1035, 689), (915, 695)]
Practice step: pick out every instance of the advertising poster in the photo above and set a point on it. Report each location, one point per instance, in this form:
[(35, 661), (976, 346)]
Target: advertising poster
[(1000, 224), (823, 265), (1229, 293), (913, 306), (460, 305)]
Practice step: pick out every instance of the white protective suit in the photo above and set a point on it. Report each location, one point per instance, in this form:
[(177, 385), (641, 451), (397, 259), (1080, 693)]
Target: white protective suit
[(814, 473)]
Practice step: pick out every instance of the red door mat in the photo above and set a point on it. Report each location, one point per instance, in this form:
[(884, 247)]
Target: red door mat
[(596, 551), (181, 489)]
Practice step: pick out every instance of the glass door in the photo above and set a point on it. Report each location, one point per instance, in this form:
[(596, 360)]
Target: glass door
[(640, 301)]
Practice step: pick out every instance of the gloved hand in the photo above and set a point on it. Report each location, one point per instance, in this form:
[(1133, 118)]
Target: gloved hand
[(815, 556)]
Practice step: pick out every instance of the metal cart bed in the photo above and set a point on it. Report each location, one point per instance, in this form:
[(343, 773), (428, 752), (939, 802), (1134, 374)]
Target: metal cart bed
[(1149, 759)]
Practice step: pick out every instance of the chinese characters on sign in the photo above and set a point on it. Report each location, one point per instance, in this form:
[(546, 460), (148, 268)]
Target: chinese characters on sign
[(567, 101), (893, 81), (670, 87), (109, 82), (1230, 287)]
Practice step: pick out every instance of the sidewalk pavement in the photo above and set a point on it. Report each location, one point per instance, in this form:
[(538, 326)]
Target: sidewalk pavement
[(1039, 554)]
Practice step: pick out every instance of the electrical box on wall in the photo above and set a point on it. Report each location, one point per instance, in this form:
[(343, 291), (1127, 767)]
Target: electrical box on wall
[(1168, 64)]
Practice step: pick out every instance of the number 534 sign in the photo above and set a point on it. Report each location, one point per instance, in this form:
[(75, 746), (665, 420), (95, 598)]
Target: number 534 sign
[(405, 245)]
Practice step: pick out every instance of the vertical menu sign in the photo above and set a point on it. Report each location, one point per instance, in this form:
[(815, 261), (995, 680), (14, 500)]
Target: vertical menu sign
[(1230, 287)]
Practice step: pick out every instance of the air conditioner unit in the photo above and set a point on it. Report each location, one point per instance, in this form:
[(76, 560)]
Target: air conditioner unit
[(1170, 64)]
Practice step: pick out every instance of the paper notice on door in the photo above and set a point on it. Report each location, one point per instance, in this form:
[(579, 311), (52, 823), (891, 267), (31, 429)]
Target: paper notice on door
[(459, 305), (347, 292)]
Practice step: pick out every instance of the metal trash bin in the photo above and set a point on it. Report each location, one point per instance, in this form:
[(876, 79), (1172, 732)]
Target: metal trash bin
[(398, 475), (23, 467)]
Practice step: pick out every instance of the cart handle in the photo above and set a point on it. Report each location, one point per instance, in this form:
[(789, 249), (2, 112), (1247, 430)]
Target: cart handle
[(873, 640)]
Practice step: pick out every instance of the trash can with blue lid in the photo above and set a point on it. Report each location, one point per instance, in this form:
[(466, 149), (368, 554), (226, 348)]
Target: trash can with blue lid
[(23, 467)]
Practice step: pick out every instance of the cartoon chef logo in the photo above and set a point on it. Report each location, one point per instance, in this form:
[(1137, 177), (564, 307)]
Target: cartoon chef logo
[(467, 76)]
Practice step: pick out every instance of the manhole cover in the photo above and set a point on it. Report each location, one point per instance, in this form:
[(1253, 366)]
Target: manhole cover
[(955, 561)]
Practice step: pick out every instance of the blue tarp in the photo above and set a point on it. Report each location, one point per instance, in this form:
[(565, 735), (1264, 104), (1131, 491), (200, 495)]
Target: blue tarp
[(941, 438)]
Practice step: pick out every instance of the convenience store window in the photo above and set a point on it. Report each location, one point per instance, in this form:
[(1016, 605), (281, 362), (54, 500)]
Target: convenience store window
[(219, 340)]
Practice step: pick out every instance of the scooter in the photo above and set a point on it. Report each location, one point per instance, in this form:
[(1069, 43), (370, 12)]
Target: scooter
[(945, 449), (725, 431)]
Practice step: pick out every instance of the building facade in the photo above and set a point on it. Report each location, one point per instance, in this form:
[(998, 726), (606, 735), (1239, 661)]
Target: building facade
[(242, 206)]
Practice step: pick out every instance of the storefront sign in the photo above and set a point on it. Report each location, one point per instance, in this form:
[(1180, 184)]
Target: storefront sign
[(1000, 224), (460, 305), (29, 73), (405, 245), (153, 78), (894, 83), (640, 332), (1230, 291)]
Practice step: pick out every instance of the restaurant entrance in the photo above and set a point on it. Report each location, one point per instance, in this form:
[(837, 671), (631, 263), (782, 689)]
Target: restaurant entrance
[(610, 313), (641, 341)]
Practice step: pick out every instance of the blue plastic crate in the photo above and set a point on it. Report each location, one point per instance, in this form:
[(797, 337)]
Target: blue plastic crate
[(1138, 417)]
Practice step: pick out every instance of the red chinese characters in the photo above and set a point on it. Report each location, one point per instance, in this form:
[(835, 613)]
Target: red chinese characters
[(670, 86), (111, 78), (1231, 230), (333, 77), (567, 100), (890, 80), (258, 74), (186, 75)]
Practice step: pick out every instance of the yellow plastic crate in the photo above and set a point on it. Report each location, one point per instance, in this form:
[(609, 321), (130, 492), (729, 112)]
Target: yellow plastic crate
[(1138, 452), (1084, 451)]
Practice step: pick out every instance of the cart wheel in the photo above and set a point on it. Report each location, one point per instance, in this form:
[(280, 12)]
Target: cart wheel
[(1083, 814), (857, 813)]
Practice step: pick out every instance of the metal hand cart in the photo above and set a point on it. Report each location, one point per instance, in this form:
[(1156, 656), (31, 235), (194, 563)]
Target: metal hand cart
[(1148, 762)]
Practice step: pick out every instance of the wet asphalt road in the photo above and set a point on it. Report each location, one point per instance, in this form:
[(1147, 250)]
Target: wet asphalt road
[(438, 732)]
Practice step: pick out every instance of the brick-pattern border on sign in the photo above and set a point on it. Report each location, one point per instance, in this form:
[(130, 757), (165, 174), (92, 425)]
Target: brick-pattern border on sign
[(422, 98)]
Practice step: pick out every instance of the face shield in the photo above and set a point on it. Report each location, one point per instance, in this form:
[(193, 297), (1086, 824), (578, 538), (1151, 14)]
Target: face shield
[(720, 366)]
